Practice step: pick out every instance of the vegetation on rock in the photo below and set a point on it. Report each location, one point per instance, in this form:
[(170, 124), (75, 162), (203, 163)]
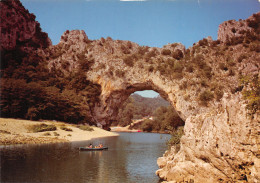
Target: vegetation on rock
[(251, 93)]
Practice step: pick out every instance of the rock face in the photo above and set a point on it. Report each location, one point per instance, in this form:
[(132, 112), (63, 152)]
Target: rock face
[(19, 30), (219, 145), (221, 142), (234, 29)]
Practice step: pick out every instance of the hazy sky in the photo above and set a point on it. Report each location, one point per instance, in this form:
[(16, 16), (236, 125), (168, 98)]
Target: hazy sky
[(146, 22)]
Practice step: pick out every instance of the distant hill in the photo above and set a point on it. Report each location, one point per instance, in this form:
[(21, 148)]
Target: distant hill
[(137, 107), (152, 103)]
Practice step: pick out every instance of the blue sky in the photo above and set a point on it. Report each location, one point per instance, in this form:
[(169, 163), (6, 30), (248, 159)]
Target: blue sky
[(150, 22)]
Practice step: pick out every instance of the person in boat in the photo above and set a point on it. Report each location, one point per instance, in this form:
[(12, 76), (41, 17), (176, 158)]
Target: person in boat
[(90, 146), (100, 145)]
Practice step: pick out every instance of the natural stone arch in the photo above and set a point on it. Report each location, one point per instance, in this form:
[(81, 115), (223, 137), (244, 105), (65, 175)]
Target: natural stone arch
[(213, 146), (106, 110), (221, 143)]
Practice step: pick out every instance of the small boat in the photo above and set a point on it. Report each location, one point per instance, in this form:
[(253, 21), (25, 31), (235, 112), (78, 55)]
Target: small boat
[(93, 149)]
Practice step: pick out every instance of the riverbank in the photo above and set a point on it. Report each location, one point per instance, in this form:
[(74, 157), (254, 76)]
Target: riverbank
[(123, 129), (14, 131)]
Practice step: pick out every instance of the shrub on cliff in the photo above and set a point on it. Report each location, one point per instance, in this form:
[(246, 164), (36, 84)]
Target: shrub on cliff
[(241, 58), (178, 67), (176, 138), (125, 49), (151, 53), (142, 50), (251, 93), (166, 52), (129, 61), (177, 54), (120, 73), (218, 93), (203, 42), (205, 97)]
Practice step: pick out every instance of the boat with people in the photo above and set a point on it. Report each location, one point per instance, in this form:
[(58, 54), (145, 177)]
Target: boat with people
[(100, 147), (92, 148)]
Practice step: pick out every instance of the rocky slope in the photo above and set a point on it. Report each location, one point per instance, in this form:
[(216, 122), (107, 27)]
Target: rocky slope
[(213, 85), (19, 31)]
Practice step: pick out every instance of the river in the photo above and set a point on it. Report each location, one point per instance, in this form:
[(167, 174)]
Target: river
[(131, 157)]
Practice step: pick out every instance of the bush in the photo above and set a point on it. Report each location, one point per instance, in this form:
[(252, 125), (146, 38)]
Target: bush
[(205, 97), (207, 71), (166, 52), (4, 131), (101, 66), (254, 47), (142, 50), (151, 68), (176, 138), (241, 58), (56, 134), (177, 75), (65, 128), (218, 93), (177, 54), (147, 125), (47, 134), (251, 93), (204, 83), (41, 128), (231, 62), (203, 42), (231, 72), (178, 67), (223, 66), (189, 68), (233, 30), (183, 85), (125, 49), (85, 127), (129, 45), (129, 61), (102, 40), (151, 54), (120, 73)]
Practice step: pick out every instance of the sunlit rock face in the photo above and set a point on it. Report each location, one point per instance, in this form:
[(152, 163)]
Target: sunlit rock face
[(233, 29)]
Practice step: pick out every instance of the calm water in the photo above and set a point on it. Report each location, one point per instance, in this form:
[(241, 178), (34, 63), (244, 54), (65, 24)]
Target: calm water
[(131, 158)]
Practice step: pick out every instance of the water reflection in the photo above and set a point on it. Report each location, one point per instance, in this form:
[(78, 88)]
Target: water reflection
[(131, 158)]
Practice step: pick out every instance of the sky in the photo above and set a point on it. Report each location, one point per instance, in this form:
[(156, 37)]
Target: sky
[(147, 22)]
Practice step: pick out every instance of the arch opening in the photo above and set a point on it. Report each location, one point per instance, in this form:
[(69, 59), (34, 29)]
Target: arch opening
[(146, 110), (113, 95)]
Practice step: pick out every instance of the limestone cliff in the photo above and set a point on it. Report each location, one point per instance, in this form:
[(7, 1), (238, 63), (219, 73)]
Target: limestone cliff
[(203, 83)]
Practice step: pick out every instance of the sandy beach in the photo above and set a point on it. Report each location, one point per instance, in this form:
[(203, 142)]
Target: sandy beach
[(14, 131)]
